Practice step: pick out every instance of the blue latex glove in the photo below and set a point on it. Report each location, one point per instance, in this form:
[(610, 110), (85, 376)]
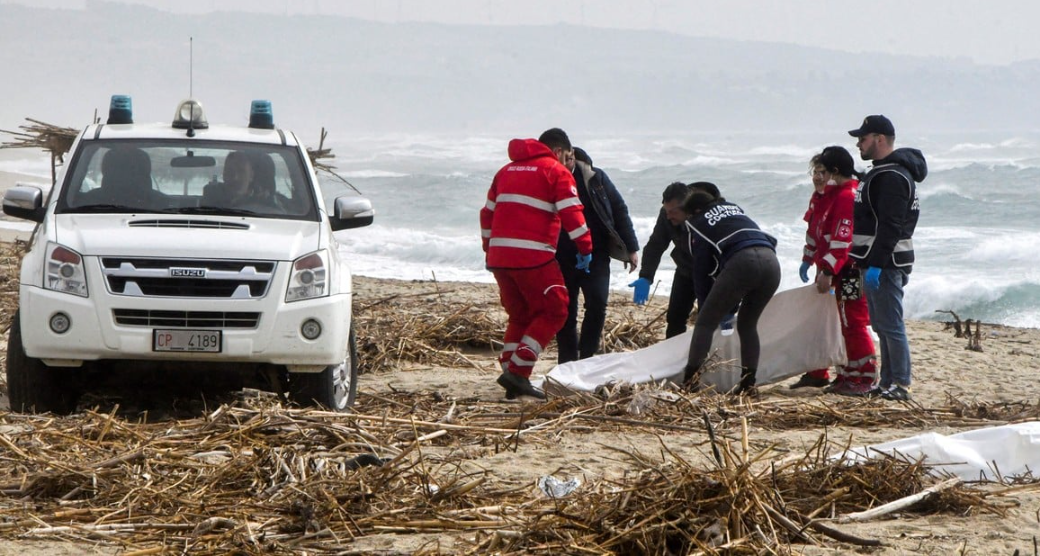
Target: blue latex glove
[(583, 262), (641, 291), (727, 324), (872, 278), (803, 271)]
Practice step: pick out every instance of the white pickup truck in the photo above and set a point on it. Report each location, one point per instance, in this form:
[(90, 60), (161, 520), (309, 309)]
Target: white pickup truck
[(184, 247)]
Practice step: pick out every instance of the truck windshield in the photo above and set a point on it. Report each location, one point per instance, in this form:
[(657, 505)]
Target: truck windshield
[(195, 177)]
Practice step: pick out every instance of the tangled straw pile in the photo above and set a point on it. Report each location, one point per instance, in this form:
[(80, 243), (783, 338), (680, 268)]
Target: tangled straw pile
[(257, 478), (433, 326)]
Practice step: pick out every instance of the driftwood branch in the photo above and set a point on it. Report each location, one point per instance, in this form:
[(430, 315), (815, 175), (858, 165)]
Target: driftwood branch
[(974, 340), (900, 504), (957, 332)]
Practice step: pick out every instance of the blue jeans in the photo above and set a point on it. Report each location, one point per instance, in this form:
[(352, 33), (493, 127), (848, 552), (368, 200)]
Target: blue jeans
[(886, 317)]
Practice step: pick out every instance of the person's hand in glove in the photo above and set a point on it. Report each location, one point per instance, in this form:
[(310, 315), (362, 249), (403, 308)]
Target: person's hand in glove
[(872, 278), (583, 262), (803, 271), (641, 291), (726, 326)]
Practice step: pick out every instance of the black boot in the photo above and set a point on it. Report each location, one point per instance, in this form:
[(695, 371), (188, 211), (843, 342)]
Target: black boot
[(747, 381), (691, 379)]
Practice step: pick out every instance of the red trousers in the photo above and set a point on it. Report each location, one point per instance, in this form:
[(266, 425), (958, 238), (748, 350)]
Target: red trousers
[(859, 345), (536, 301)]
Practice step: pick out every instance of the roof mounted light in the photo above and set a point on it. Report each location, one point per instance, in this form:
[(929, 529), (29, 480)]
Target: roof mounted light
[(120, 110), (260, 115), (189, 115)]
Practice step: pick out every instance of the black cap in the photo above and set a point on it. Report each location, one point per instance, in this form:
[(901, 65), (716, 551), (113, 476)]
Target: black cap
[(874, 124)]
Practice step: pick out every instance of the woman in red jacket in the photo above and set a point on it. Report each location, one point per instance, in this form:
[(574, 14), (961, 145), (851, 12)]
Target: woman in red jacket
[(827, 243)]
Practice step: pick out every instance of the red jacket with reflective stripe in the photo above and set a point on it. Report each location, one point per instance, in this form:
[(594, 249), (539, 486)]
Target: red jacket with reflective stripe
[(530, 198), (829, 236)]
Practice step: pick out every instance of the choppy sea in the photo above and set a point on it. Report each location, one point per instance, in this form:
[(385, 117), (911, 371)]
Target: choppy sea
[(976, 243)]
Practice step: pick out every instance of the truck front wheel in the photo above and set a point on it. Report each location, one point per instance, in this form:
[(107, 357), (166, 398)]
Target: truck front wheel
[(334, 388), (32, 386)]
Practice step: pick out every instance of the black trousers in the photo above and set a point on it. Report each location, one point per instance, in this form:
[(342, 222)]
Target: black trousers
[(594, 288), (680, 304), (751, 277)]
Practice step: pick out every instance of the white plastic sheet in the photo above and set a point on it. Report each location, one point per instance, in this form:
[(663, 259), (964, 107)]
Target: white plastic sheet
[(980, 454), (799, 331)]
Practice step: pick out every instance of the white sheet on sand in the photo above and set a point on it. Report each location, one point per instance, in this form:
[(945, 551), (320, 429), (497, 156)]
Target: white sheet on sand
[(981, 454), (799, 331)]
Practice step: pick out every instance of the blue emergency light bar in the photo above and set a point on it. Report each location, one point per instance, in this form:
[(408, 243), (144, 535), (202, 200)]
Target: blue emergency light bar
[(120, 110), (260, 116)]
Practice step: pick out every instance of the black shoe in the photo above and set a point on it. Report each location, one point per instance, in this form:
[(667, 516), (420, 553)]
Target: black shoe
[(877, 392), (691, 379), (519, 387), (809, 381), (747, 383), (897, 393)]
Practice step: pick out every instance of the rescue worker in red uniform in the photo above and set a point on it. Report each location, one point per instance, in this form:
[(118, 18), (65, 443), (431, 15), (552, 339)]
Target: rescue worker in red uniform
[(528, 202), (827, 243)]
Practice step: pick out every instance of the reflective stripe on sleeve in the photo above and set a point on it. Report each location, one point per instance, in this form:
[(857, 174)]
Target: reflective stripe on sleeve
[(578, 232), (904, 245), (570, 202), (858, 239)]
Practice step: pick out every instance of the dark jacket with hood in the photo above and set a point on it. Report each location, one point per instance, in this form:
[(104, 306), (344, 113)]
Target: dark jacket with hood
[(666, 234), (605, 211), (886, 211)]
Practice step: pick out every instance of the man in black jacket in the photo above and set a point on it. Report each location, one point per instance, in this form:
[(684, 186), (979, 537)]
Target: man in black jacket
[(670, 230), (607, 218), (884, 217)]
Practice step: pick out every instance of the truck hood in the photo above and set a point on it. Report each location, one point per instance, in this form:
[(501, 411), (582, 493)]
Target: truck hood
[(161, 235)]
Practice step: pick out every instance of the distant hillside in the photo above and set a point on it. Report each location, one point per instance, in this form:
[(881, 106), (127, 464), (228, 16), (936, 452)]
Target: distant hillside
[(352, 75)]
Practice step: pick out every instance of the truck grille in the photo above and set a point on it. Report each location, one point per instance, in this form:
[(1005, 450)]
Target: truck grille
[(185, 319), (189, 278)]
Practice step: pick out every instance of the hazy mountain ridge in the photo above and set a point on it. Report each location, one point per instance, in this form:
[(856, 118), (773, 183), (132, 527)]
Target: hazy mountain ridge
[(352, 75)]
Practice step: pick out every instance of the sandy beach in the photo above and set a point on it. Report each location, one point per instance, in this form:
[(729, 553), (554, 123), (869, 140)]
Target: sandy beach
[(949, 379), (955, 389)]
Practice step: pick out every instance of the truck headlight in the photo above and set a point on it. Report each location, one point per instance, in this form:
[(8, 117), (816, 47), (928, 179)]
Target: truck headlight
[(64, 271), (309, 278)]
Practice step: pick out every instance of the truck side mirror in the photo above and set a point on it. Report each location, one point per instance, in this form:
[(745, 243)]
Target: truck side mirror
[(25, 202), (351, 212)]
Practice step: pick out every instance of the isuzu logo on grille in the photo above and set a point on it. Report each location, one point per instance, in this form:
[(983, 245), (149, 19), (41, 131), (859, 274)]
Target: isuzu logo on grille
[(188, 272)]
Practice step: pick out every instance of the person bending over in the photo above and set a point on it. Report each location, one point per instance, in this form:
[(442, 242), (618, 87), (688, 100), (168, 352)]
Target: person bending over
[(725, 244)]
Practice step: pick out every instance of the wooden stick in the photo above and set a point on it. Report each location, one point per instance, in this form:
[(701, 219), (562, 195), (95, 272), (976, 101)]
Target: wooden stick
[(146, 551), (711, 437), (842, 536), (624, 421), (788, 524), (897, 505)]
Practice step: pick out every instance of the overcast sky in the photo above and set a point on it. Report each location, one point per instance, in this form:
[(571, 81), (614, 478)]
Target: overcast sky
[(984, 31)]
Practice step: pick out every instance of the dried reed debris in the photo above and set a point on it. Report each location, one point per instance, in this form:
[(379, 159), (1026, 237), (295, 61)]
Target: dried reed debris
[(262, 479)]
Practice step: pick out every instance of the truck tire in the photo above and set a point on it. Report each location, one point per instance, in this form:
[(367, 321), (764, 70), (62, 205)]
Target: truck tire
[(334, 388), (32, 386)]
